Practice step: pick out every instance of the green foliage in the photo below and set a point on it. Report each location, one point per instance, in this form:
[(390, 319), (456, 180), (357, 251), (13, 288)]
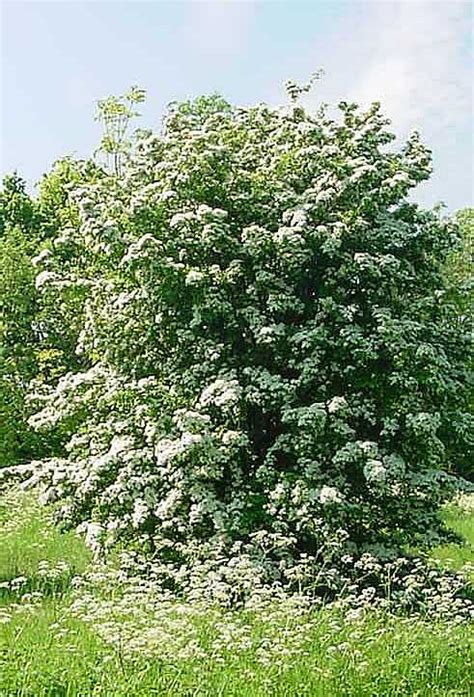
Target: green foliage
[(19, 234), (17, 301), (30, 540), (17, 357), (459, 266), (16, 207), (377, 656), (53, 203), (60, 310), (459, 554)]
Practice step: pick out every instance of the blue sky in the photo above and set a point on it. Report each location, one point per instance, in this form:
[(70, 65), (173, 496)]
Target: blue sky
[(59, 57)]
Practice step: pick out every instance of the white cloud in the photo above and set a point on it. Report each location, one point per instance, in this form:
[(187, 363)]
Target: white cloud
[(415, 57), (419, 65)]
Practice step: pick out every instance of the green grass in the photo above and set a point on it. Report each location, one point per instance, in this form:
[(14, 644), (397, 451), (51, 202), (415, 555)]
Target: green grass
[(45, 651), (385, 657), (455, 556), (29, 537)]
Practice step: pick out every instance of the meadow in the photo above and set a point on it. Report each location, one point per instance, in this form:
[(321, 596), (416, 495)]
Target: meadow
[(68, 628)]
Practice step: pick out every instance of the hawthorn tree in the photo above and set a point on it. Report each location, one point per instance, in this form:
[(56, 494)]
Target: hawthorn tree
[(271, 371)]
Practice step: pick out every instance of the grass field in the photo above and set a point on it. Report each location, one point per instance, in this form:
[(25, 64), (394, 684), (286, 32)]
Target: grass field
[(49, 648)]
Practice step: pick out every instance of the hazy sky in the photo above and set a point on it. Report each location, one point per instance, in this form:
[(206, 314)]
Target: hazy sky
[(58, 58)]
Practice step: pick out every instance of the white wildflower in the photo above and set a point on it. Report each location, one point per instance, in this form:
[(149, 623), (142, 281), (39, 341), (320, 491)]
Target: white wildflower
[(367, 446), (181, 218), (93, 533), (229, 437)]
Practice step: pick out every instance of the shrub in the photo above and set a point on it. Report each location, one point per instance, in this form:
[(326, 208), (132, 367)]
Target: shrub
[(275, 379)]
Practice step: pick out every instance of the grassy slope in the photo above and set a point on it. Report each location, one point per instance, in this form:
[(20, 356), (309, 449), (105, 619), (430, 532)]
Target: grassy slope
[(46, 652)]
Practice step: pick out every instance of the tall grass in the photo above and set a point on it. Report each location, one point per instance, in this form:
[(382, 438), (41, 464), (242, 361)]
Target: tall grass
[(46, 651)]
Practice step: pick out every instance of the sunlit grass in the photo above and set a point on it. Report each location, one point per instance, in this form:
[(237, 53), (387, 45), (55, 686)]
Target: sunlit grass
[(28, 537), (456, 556)]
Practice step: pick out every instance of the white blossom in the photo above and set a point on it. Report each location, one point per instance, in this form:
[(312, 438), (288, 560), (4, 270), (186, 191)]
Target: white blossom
[(374, 471), (329, 494), (220, 393), (335, 404), (46, 277), (193, 277), (40, 258)]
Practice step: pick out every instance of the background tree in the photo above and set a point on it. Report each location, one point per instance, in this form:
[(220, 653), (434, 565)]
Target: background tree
[(17, 344), (38, 332), (459, 279), (17, 209), (459, 266)]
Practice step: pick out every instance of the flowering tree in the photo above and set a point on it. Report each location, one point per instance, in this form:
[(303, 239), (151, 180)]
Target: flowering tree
[(273, 383)]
